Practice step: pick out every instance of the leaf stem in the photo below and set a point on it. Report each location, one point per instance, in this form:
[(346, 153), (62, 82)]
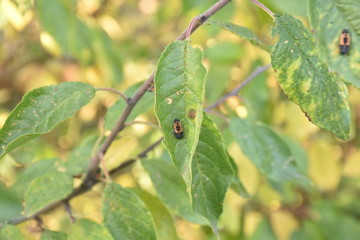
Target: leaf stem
[(235, 91), (263, 7), (114, 91)]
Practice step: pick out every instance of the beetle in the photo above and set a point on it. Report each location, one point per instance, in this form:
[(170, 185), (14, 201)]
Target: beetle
[(345, 41), (178, 129)]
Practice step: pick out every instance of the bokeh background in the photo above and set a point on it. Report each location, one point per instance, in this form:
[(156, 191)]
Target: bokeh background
[(117, 43)]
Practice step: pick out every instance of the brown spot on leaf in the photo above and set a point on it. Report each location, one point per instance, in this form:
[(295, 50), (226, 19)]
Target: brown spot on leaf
[(192, 114)]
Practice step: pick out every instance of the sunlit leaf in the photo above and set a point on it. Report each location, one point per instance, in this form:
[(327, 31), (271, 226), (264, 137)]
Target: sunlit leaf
[(35, 170), (59, 19), (46, 189), (51, 235), (236, 184), (41, 110), (86, 229), (269, 153), (337, 224), (263, 231), (163, 222), (10, 232), (179, 87), (328, 21), (306, 80), (171, 189), (125, 215), (242, 32), (211, 173)]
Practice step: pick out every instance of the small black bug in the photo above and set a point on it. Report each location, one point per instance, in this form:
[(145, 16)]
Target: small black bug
[(178, 129), (345, 41)]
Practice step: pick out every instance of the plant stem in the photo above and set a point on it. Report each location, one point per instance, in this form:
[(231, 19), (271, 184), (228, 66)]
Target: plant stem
[(115, 91), (263, 7), (235, 91)]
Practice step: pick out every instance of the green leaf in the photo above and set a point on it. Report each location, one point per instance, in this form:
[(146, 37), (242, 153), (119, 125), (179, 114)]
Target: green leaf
[(171, 189), (266, 149), (241, 32), (309, 230), (211, 172), (10, 204), (179, 87), (125, 215), (47, 189), (143, 105), (86, 229), (236, 184), (350, 9), (79, 158), (306, 80), (51, 235), (10, 232), (164, 224), (336, 224), (58, 18), (35, 170), (41, 110), (328, 21), (263, 231)]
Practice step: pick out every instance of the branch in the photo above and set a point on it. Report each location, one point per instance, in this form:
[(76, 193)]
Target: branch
[(90, 177), (120, 124), (80, 190), (235, 91)]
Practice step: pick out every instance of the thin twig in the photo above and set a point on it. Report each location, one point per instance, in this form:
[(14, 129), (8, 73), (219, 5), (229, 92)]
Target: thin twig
[(235, 91), (90, 177), (69, 211), (115, 91), (263, 7), (144, 153)]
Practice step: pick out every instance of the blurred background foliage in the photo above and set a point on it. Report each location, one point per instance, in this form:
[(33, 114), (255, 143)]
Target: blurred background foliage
[(116, 43)]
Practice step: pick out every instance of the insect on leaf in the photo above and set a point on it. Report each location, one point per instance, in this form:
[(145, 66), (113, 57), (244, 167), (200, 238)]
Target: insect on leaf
[(179, 89)]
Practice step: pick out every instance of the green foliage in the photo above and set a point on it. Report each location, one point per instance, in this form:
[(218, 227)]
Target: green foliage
[(328, 21), (163, 222), (41, 110), (267, 150), (351, 11), (306, 80), (34, 170), (46, 189), (10, 204), (78, 160), (211, 173), (84, 228), (187, 179), (242, 32), (10, 232), (51, 235), (120, 205), (263, 231), (179, 93), (169, 183)]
